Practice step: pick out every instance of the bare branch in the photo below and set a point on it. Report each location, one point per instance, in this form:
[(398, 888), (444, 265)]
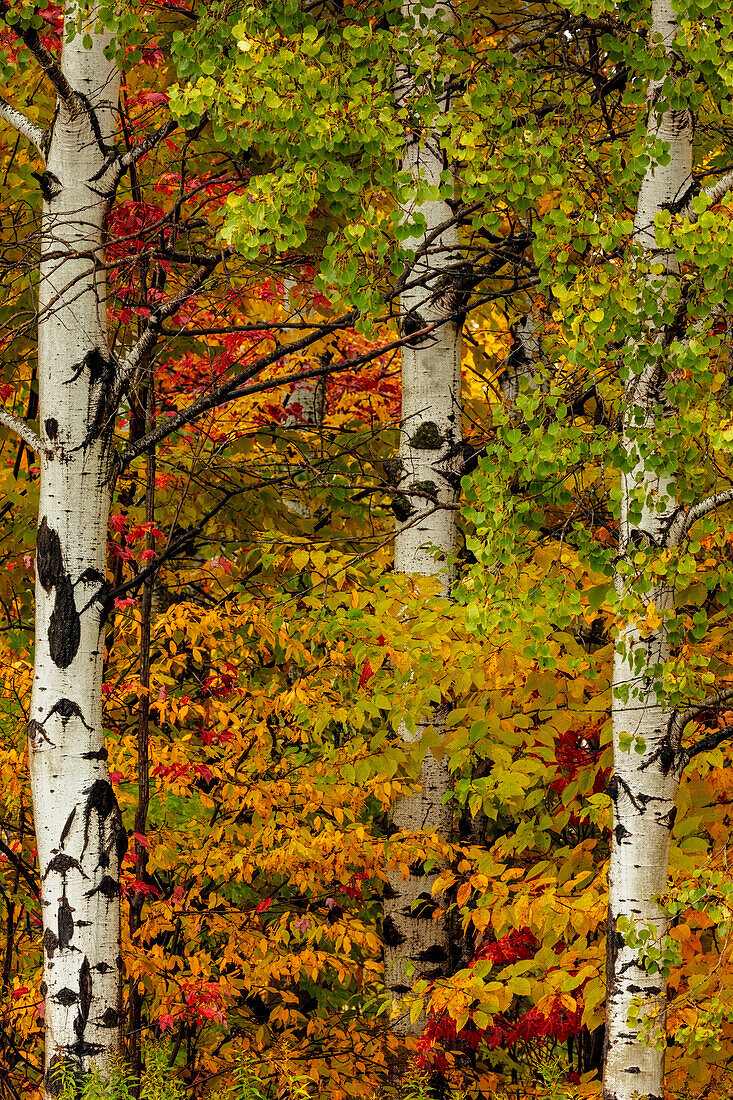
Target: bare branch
[(29, 437), (167, 309), (21, 866), (233, 388), (170, 551), (679, 719), (132, 156), (223, 393), (706, 744), (719, 189), (685, 519), (23, 125), (43, 56), (717, 500)]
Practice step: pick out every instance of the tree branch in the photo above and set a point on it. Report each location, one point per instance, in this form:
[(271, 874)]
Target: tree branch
[(21, 867), (43, 56), (132, 156), (719, 189), (23, 125), (684, 520), (705, 744), (170, 551), (229, 390), (167, 309), (679, 719), (697, 511), (220, 394), (29, 437)]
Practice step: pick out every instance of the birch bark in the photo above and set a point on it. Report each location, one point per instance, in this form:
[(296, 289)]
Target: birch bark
[(78, 826), (644, 785), (416, 945)]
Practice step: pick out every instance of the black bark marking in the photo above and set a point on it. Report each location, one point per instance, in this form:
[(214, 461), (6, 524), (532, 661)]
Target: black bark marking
[(615, 784), (102, 802), (413, 322), (82, 1049), (67, 826), (632, 1069), (645, 799), (402, 507), (66, 710), (400, 990), (435, 954), (66, 997), (427, 437), (49, 566), (62, 864), (50, 185), (108, 888), (85, 988), (389, 893), (636, 989), (91, 576), (100, 754), (98, 362), (52, 428), (101, 596), (621, 832), (65, 924), (391, 933), (422, 908), (104, 149), (669, 818), (110, 1018), (44, 989), (50, 943), (665, 754), (64, 631), (417, 869), (103, 968), (36, 734)]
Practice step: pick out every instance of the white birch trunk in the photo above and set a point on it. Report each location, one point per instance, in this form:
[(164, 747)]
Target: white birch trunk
[(78, 827), (415, 945), (644, 784)]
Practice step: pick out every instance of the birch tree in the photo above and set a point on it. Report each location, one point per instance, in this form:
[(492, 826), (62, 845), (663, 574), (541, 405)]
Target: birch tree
[(415, 944), (82, 380), (647, 731)]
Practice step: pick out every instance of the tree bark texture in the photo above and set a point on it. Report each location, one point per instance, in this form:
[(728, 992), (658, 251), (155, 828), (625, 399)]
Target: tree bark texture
[(78, 826), (647, 757), (415, 945)]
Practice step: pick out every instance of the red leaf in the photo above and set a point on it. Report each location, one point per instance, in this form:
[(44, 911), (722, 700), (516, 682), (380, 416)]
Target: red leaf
[(264, 905), (366, 674)]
